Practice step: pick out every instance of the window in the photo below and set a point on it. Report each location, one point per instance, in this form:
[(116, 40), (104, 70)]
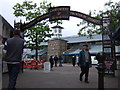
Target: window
[(55, 31), (59, 30)]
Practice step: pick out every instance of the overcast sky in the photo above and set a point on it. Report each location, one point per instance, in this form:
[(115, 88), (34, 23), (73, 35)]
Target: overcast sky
[(70, 27)]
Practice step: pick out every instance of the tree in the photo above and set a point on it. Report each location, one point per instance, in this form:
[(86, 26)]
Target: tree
[(41, 30), (112, 11)]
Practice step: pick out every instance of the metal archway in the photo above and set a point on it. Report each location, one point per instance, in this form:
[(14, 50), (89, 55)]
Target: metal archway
[(61, 13)]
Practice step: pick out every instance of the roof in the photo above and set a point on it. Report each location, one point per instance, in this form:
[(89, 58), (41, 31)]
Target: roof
[(58, 27), (6, 23), (40, 52), (58, 39), (80, 39), (93, 50)]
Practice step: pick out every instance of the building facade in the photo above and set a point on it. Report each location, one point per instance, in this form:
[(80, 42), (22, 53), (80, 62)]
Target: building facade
[(5, 29), (56, 47), (6, 32), (74, 45)]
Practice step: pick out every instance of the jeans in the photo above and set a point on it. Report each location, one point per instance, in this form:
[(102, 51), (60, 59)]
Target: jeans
[(13, 70), (84, 70)]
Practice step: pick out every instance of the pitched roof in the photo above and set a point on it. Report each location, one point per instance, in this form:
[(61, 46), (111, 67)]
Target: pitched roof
[(78, 39), (6, 23)]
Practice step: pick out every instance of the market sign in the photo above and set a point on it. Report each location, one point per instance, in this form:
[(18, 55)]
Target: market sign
[(59, 13)]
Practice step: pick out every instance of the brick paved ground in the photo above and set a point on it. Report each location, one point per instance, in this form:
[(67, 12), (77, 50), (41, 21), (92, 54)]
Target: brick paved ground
[(62, 77)]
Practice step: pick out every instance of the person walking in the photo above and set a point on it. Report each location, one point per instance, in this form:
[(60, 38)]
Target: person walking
[(60, 61), (51, 62), (14, 49), (85, 62), (56, 60), (73, 60)]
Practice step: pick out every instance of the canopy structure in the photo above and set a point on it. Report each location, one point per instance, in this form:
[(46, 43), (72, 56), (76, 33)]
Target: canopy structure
[(94, 49), (116, 34)]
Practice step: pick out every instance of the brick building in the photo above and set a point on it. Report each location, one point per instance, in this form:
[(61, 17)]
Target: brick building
[(56, 47)]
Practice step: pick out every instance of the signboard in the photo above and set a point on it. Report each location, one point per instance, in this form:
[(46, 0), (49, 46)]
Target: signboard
[(47, 66), (59, 13)]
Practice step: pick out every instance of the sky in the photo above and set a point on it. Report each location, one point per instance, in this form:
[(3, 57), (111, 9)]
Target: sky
[(70, 26)]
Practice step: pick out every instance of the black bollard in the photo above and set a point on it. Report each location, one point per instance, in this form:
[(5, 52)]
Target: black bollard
[(101, 70)]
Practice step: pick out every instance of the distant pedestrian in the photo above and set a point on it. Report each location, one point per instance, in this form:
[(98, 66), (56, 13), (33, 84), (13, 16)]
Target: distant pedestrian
[(73, 60), (51, 62), (85, 62), (14, 49), (60, 61), (56, 60)]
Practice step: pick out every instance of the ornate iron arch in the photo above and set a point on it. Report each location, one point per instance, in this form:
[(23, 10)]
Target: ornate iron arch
[(61, 13)]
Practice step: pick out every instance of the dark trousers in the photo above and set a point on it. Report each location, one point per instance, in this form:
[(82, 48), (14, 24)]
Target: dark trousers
[(51, 64), (13, 70), (55, 63), (84, 70), (73, 62)]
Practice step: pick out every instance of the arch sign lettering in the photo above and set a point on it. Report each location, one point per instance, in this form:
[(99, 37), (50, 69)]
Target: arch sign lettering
[(61, 13)]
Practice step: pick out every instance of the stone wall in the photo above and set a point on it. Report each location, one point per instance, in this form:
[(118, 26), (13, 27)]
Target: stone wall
[(56, 47)]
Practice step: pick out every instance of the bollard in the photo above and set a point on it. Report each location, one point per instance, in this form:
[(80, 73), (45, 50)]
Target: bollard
[(101, 70)]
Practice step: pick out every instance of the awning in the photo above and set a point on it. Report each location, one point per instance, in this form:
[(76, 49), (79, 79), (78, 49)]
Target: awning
[(94, 49), (92, 53), (116, 34)]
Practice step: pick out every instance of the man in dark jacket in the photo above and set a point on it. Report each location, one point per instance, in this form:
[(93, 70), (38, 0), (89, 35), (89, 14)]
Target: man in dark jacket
[(56, 60), (85, 62), (14, 47), (51, 62)]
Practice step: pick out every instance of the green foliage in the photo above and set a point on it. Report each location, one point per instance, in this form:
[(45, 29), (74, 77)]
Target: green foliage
[(111, 10), (41, 30)]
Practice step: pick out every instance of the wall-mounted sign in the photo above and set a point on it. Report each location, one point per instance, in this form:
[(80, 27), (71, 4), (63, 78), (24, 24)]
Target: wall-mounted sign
[(59, 13)]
